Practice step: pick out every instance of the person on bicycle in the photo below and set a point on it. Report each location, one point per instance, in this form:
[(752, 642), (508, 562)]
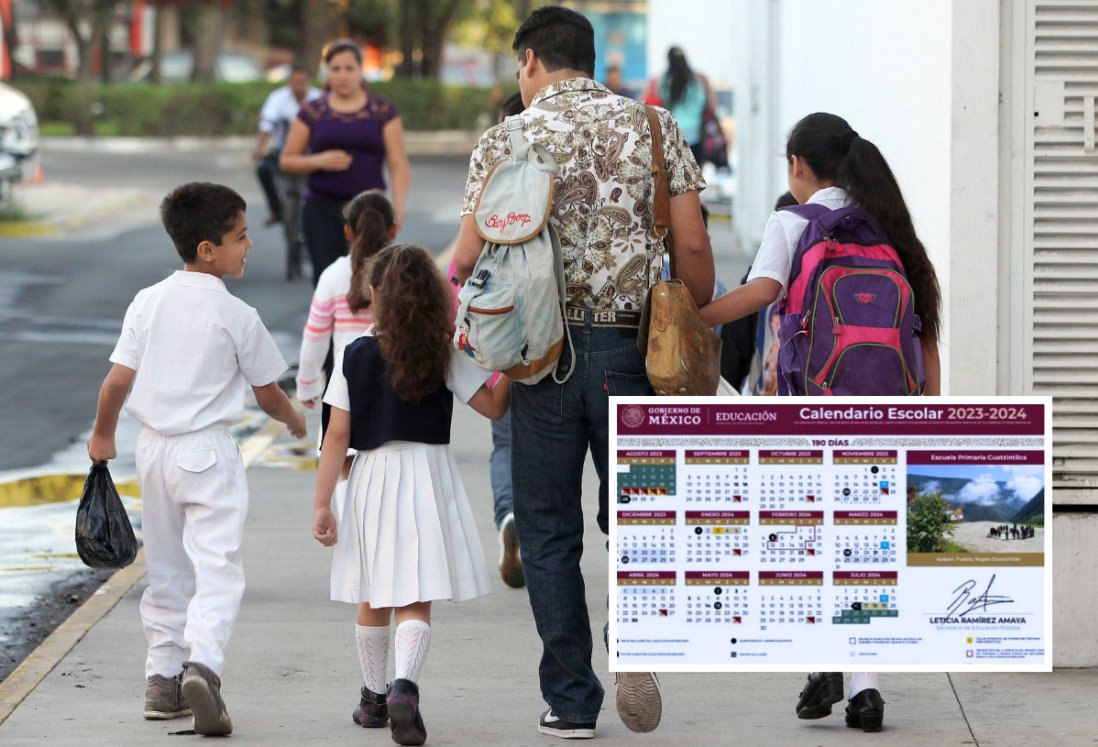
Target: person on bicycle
[(279, 110)]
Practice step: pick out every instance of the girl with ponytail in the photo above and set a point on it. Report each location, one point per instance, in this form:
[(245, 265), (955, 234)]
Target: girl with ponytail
[(831, 165), (340, 311)]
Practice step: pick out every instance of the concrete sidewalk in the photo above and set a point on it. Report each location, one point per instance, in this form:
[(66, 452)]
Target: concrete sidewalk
[(293, 674)]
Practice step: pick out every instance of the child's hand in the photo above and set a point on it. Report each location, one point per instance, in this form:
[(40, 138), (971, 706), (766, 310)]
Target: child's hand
[(296, 424), (324, 527), (101, 448)]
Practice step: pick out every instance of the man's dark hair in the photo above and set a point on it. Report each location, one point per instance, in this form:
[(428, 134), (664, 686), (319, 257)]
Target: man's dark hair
[(560, 37), (197, 212)]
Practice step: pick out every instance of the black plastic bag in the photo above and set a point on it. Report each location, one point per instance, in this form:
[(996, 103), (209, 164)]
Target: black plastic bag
[(104, 536)]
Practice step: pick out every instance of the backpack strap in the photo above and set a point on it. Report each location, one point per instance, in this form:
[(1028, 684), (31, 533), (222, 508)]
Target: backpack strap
[(558, 257), (519, 146)]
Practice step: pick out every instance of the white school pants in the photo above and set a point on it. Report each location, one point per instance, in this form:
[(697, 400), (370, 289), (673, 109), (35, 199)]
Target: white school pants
[(194, 500)]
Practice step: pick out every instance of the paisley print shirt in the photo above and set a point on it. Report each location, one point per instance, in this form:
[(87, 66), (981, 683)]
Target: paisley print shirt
[(602, 207)]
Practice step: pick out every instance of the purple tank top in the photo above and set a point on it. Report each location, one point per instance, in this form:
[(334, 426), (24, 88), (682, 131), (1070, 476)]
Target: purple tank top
[(358, 133)]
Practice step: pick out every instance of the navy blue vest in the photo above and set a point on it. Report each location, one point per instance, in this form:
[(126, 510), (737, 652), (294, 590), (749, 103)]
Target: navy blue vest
[(378, 414)]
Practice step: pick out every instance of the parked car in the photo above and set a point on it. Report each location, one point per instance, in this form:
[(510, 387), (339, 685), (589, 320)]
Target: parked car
[(18, 137)]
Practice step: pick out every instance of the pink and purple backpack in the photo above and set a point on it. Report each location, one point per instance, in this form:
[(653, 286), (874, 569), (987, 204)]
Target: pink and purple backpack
[(848, 324)]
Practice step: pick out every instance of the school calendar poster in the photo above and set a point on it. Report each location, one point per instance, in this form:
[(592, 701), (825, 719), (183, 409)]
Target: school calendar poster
[(830, 534)]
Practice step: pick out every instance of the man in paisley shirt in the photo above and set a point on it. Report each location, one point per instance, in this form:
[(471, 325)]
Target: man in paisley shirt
[(602, 210)]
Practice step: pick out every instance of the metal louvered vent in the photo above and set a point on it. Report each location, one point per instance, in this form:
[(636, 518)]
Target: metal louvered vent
[(1063, 229)]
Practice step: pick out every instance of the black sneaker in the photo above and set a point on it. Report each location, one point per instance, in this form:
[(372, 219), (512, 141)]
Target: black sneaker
[(405, 719), (372, 711), (865, 711), (823, 690), (202, 689), (550, 723)]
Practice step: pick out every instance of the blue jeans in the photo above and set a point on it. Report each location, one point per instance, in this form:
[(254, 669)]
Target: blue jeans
[(322, 230), (553, 427), (499, 464)]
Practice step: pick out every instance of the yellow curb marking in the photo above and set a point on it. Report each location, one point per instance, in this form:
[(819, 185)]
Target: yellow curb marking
[(50, 652)]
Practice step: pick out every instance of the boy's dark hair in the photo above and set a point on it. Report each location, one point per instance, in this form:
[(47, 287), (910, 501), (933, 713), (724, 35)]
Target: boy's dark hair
[(197, 212), (560, 37)]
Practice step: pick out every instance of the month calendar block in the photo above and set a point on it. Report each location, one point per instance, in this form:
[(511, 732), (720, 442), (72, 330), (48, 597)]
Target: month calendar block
[(829, 534)]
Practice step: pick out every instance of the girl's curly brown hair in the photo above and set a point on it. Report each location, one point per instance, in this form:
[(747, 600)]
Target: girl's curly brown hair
[(413, 318)]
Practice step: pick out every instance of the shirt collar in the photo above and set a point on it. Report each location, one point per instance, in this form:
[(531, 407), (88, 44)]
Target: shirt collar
[(198, 280), (569, 85), (830, 195)]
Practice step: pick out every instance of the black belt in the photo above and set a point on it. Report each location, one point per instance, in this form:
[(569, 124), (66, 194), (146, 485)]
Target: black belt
[(619, 319)]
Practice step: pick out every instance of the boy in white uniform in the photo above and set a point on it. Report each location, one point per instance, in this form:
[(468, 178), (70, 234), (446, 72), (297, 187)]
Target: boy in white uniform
[(188, 347)]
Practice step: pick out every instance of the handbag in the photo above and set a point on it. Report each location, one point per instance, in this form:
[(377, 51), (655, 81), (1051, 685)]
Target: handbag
[(682, 354)]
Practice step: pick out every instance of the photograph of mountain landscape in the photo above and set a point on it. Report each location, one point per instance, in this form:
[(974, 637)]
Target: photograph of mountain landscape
[(976, 508)]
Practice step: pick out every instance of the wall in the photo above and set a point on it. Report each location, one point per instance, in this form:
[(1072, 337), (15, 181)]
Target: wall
[(707, 30), (919, 79)]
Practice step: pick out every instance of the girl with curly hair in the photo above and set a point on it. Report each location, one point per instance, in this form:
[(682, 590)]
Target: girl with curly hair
[(406, 535)]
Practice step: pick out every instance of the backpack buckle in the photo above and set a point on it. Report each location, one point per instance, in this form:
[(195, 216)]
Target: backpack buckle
[(481, 278)]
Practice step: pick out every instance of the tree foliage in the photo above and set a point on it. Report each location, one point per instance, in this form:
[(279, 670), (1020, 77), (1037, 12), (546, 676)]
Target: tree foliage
[(928, 526)]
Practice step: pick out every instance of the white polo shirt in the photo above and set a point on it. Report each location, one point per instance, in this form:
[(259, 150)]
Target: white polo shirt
[(194, 346), (783, 230), (279, 110)]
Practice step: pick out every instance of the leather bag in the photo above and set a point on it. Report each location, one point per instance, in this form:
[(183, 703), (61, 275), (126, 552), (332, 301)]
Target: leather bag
[(682, 354)]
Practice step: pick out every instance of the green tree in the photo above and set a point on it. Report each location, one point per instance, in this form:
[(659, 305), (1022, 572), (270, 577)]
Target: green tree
[(928, 526), (89, 22)]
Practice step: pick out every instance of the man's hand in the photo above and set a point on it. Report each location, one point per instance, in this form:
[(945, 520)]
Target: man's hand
[(324, 527)]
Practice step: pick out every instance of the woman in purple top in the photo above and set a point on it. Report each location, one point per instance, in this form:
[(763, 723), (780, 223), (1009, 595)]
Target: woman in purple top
[(341, 141)]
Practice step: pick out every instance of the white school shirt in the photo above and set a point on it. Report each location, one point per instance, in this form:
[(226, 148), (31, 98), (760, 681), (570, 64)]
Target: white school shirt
[(783, 230), (330, 318), (194, 346), (279, 110), (463, 379)]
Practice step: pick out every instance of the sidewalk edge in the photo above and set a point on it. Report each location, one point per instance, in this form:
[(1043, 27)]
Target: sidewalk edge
[(50, 652)]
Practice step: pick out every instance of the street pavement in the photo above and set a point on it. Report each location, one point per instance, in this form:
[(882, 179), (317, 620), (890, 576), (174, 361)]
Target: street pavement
[(293, 676)]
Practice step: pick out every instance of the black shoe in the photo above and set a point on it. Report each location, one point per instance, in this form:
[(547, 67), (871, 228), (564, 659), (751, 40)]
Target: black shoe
[(372, 711), (865, 711), (823, 690), (405, 720), (550, 723)]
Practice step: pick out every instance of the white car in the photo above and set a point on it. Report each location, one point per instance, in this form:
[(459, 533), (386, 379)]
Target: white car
[(18, 124), (18, 136)]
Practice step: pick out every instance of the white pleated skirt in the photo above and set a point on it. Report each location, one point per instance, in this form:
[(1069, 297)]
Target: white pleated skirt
[(406, 532)]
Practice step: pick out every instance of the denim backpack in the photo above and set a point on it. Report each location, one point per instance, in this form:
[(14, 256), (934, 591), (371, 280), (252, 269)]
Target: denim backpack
[(848, 322), (511, 309)]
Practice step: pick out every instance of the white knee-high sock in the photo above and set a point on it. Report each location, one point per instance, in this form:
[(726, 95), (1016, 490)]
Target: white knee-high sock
[(373, 655), (413, 638), (863, 681)]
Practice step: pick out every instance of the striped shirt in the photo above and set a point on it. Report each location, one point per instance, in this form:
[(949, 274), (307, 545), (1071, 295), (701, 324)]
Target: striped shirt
[(330, 319)]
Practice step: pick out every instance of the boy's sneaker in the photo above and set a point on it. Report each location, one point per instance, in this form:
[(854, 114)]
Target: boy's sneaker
[(372, 711), (202, 689), (510, 562), (550, 723), (405, 719), (640, 705), (164, 698)]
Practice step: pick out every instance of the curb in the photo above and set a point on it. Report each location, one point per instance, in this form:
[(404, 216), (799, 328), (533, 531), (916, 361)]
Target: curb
[(26, 228), (50, 652)]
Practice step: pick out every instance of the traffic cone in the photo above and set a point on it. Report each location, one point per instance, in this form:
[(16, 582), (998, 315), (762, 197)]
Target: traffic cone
[(38, 177)]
